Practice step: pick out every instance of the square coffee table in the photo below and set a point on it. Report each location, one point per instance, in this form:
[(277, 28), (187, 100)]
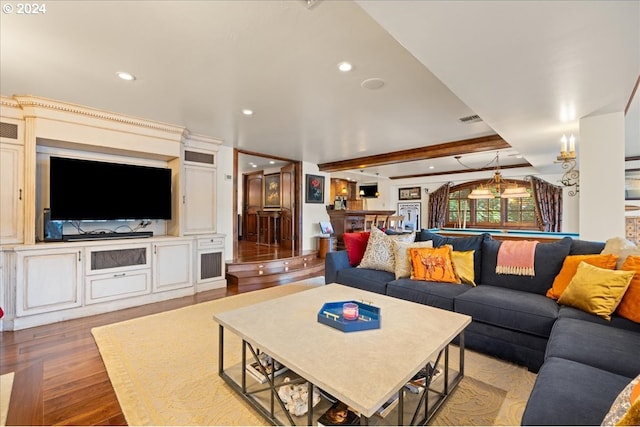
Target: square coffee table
[(363, 369)]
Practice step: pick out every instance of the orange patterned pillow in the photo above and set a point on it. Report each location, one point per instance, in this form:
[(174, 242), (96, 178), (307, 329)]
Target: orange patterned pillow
[(570, 266), (630, 305), (433, 265)]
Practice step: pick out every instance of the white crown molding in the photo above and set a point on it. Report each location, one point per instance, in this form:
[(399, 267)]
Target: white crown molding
[(39, 107), (196, 140), (9, 107)]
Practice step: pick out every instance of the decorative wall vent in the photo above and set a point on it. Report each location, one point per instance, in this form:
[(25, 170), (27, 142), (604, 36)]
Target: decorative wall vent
[(211, 265), (8, 130), (470, 119), (197, 157)]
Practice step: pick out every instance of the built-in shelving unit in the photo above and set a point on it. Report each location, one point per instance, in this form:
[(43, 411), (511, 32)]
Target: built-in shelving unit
[(44, 282)]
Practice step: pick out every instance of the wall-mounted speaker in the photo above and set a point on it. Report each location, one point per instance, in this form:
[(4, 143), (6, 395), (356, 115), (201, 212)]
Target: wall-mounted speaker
[(52, 229)]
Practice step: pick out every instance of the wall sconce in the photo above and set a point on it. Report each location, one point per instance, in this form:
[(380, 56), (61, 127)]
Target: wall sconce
[(567, 158)]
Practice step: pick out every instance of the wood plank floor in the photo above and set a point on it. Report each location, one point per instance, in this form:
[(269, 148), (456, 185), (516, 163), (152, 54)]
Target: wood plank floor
[(250, 251), (60, 378)]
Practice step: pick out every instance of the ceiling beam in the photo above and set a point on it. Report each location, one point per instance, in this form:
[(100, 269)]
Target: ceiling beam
[(447, 149), (266, 156), (520, 165)]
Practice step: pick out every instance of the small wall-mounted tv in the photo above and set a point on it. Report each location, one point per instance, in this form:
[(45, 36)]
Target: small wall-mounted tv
[(92, 190), (370, 191)]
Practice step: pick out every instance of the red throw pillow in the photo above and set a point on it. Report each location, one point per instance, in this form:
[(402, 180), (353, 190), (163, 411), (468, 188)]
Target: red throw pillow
[(356, 244)]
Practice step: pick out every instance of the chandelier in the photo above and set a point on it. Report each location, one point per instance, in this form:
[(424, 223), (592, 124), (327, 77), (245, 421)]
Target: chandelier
[(497, 185)]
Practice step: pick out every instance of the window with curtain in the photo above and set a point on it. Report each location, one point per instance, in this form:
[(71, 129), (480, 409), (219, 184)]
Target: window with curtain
[(519, 214)]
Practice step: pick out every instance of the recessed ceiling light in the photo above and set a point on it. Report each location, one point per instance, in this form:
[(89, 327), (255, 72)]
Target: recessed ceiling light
[(431, 167), (126, 76), (345, 66), (271, 162), (247, 112)]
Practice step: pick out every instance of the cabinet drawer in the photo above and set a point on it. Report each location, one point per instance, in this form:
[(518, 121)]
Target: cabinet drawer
[(211, 242), (107, 287)]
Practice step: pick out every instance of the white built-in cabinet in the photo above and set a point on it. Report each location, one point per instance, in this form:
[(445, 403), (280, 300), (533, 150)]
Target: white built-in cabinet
[(11, 187), (199, 197), (172, 261), (48, 280), (210, 260), (117, 271), (45, 282), (199, 186), (84, 278)]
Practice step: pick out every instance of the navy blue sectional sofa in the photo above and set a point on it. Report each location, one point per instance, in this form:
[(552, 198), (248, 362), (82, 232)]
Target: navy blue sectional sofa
[(582, 361)]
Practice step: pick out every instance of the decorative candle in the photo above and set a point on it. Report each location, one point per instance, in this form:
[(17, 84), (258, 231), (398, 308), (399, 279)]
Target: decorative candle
[(350, 311), (572, 144)]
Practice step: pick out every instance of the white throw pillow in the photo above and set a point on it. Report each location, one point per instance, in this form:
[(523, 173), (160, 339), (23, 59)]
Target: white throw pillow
[(622, 248), (380, 254)]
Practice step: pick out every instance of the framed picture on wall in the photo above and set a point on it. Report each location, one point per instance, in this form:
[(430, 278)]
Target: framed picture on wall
[(314, 189), (412, 212), (632, 185), (272, 190), (410, 193), (325, 227)]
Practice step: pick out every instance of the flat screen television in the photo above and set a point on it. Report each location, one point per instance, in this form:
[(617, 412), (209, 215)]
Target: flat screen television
[(92, 190), (370, 191)]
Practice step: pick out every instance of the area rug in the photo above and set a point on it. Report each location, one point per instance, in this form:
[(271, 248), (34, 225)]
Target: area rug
[(163, 368), (6, 386)]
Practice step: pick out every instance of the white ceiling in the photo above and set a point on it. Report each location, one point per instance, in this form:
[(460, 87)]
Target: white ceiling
[(198, 63)]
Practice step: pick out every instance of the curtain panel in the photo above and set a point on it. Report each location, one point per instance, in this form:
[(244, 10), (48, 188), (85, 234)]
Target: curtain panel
[(438, 201), (548, 198)]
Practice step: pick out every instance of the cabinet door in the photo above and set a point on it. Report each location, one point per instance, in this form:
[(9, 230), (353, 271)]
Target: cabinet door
[(11, 220), (48, 280), (200, 200), (172, 265), (252, 203)]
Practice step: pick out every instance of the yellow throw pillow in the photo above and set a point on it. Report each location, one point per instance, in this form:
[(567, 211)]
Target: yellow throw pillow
[(596, 290), (629, 307), (433, 265), (463, 264), (570, 266), (403, 260)]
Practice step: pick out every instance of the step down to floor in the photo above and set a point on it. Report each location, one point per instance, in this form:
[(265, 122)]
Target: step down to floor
[(278, 271)]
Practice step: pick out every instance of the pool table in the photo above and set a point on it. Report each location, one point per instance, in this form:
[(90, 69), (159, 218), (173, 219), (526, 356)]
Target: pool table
[(505, 234)]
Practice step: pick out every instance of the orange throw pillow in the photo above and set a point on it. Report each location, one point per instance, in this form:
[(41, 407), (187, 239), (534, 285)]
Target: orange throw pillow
[(570, 266), (629, 307), (433, 265)]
